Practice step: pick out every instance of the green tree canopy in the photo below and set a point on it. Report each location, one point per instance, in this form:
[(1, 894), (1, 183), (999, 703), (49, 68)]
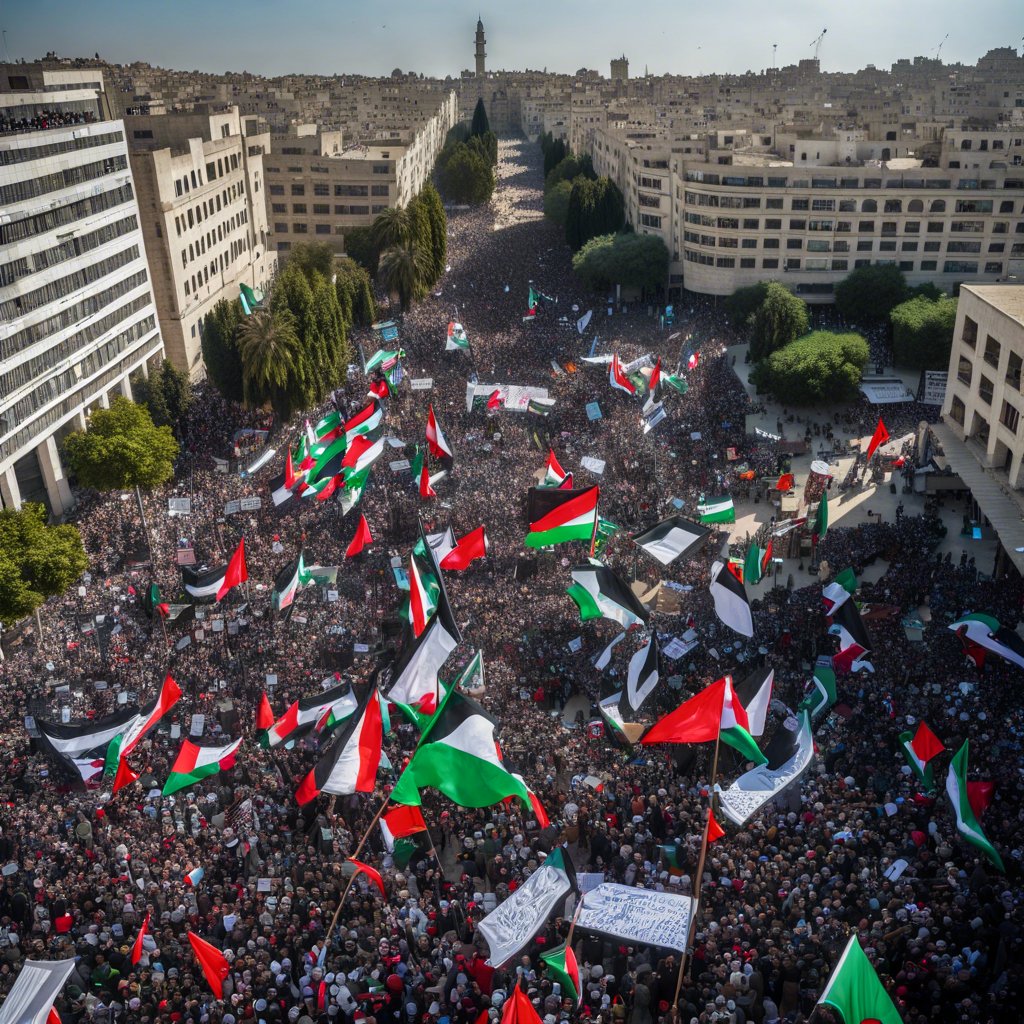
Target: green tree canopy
[(556, 202), (313, 258), (355, 294), (554, 154), (220, 349), (37, 561), (480, 125), (121, 448), (359, 246), (438, 227), (634, 261), (392, 226), (569, 169), (867, 295), (402, 271), (741, 304), (779, 319), (819, 367), (922, 332), (596, 207), (419, 218), (272, 360), (464, 175), (167, 393)]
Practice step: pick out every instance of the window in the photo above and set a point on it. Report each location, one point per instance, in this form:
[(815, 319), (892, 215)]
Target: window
[(298, 190), (299, 229), (321, 189), (277, 190), (321, 209), (928, 264), (748, 243), (773, 204), (298, 207), (280, 228), (323, 229), (381, 169), (847, 205), (865, 245), (1013, 370), (938, 206), (906, 265), (792, 264), (1009, 417), (794, 243), (748, 263), (893, 206), (798, 225), (985, 390), (279, 207), (773, 224), (379, 190), (351, 190), (886, 246), (823, 205), (912, 227), (869, 206), (648, 220), (770, 243), (960, 246), (992, 351), (866, 226), (959, 267), (964, 371), (970, 226), (651, 202), (283, 246), (800, 204), (817, 245), (770, 264), (1006, 206), (726, 262), (750, 223), (993, 268), (840, 264), (936, 227)]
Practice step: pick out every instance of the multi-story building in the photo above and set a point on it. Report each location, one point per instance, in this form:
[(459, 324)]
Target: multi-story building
[(201, 194), (620, 69), (77, 315), (318, 187)]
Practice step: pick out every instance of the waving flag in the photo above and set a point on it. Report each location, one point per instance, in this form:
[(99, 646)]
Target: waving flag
[(880, 436), (919, 748), (655, 380), (372, 874), (368, 422), (287, 584), (692, 360), (618, 379), (195, 763), (786, 482), (671, 539), (557, 516), (436, 440), (823, 694), (457, 339), (170, 692), (966, 822), (553, 472), (716, 510), (600, 592), (361, 540), (426, 484), (469, 548), (755, 694), (212, 961), (414, 674), (137, 944), (980, 633), (820, 527), (642, 676), (303, 714), (854, 990), (731, 603), (125, 776), (264, 714)]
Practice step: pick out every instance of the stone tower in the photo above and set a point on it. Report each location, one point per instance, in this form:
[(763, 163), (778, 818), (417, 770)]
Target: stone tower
[(481, 54)]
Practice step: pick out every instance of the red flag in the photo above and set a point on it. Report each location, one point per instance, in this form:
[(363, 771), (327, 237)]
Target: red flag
[(213, 963), (786, 482), (237, 572), (360, 540), (264, 714), (655, 376), (405, 821), (371, 873), (494, 402), (163, 610), (426, 491), (137, 948), (566, 484), (880, 436), (467, 549), (418, 605), (696, 720), (53, 1017), (715, 831), (979, 796), (379, 388), (518, 1009), (289, 471), (124, 777)]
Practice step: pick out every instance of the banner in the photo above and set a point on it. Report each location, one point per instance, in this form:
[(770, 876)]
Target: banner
[(514, 398), (38, 984), (583, 322), (638, 915)]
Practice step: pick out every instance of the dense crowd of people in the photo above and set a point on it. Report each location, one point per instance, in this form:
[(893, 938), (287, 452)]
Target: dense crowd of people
[(856, 847)]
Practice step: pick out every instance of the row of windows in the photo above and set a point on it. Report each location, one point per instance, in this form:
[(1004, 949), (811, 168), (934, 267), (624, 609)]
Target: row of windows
[(17, 342), (40, 223), (758, 181), (212, 237), (37, 365), (863, 245), (11, 309), (18, 191), (298, 228), (888, 227), (11, 272), (19, 156), (340, 191), (207, 208), (223, 261), (223, 166), (815, 264)]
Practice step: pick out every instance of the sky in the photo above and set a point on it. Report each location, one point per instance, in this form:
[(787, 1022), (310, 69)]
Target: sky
[(435, 37)]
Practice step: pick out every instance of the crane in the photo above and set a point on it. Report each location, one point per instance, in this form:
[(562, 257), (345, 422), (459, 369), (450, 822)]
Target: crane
[(816, 43), (938, 52)]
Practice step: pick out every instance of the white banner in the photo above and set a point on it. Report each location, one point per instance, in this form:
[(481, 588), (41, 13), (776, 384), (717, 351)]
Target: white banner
[(514, 398), (638, 915), (38, 984), (583, 322), (592, 465)]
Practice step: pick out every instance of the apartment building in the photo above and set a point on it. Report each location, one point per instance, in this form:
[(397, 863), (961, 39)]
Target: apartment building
[(319, 187), (200, 182), (77, 313)]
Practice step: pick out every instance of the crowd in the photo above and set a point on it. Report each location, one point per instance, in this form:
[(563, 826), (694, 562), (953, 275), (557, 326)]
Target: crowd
[(780, 895), (42, 120)]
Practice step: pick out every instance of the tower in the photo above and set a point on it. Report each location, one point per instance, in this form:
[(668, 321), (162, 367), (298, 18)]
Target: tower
[(481, 54)]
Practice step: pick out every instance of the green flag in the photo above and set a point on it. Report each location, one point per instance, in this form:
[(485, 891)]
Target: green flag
[(752, 564), (820, 527), (966, 823), (855, 991)]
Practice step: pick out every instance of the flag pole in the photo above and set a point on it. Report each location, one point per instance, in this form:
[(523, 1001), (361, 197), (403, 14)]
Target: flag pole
[(597, 520), (337, 912), (572, 923)]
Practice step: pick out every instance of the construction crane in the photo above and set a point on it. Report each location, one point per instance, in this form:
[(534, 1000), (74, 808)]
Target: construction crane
[(938, 52), (816, 43)]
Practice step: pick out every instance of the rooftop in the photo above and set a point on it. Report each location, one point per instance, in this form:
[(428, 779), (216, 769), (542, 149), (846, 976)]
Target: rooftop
[(1007, 298)]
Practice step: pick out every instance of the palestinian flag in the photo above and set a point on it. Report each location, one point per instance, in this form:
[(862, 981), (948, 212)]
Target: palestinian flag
[(671, 539), (457, 339), (152, 604), (854, 641), (530, 314), (855, 992), (362, 454), (468, 549), (624, 733), (980, 633), (562, 967), (287, 584), (823, 695), (281, 492), (264, 714), (672, 856), (843, 587), (237, 572), (137, 945), (421, 601), (752, 564), (441, 543), (361, 540), (692, 360), (715, 831), (328, 427), (557, 517), (820, 527), (85, 741), (495, 401), (414, 674), (714, 713), (642, 676), (677, 383), (553, 472), (203, 584), (304, 714), (368, 422), (618, 379), (350, 762), (966, 822), (788, 526), (755, 694), (400, 823), (150, 716), (354, 485), (426, 484), (125, 777), (436, 441), (248, 298), (655, 378), (919, 748), (731, 604), (606, 529), (195, 763), (716, 510), (537, 297), (540, 406), (880, 436), (328, 460), (471, 678), (600, 592), (458, 755), (385, 359), (602, 661)]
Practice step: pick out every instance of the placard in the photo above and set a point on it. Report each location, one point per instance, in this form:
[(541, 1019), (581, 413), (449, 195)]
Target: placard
[(399, 464), (251, 504), (638, 915), (933, 391), (217, 625), (421, 383), (588, 880), (594, 411), (179, 506), (179, 646), (198, 725), (232, 507), (592, 465), (271, 679), (263, 885), (576, 645), (200, 635), (360, 648), (185, 556)]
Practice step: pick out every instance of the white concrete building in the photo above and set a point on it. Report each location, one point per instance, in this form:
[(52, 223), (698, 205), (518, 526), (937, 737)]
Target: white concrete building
[(77, 314)]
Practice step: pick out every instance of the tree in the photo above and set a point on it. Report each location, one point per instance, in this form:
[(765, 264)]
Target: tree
[(392, 226), (554, 155), (313, 258), (438, 227), (570, 169), (867, 295), (479, 125), (419, 221), (741, 304), (220, 349), (922, 332), (595, 208), (37, 561), (819, 367), (167, 393), (355, 295), (465, 176), (359, 246), (780, 319), (556, 202), (271, 359), (402, 270), (634, 261)]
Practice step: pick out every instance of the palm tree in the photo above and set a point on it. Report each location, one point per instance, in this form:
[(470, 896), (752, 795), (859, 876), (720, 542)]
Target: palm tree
[(403, 271), (268, 343), (392, 227)]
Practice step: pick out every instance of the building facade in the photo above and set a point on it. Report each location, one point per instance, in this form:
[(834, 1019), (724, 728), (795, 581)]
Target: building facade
[(204, 218), (77, 312)]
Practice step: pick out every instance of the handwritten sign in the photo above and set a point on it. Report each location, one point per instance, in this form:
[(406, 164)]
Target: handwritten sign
[(637, 915)]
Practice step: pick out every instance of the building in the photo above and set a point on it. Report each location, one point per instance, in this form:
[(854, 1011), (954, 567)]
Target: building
[(204, 218), (319, 187), (620, 69), (77, 314), (480, 52)]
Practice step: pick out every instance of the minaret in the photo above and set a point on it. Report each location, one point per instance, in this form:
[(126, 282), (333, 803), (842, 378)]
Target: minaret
[(480, 52)]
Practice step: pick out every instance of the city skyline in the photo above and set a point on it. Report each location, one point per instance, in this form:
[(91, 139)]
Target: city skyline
[(436, 39)]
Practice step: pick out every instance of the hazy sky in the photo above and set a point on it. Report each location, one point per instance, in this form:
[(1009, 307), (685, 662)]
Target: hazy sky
[(436, 36)]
